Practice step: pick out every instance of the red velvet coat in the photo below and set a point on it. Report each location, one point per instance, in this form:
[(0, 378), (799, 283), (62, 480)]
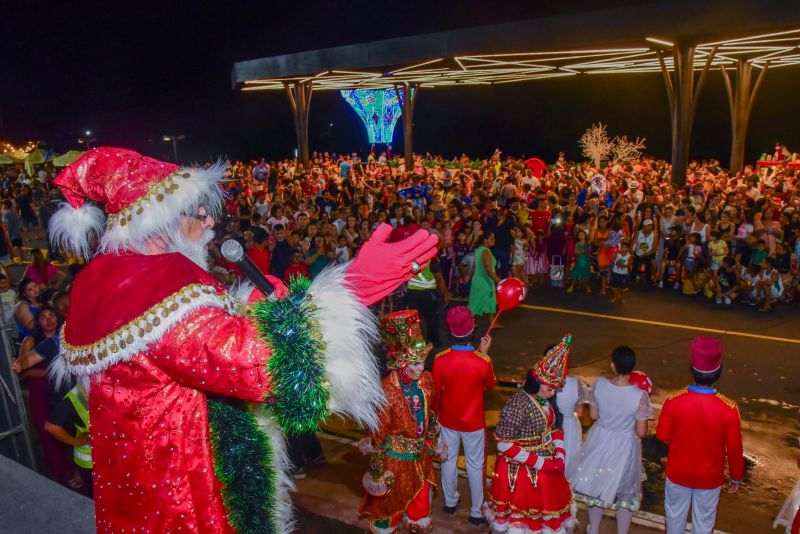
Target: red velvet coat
[(149, 401), (703, 429)]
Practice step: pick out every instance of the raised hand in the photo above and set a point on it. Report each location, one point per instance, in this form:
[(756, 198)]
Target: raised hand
[(381, 267)]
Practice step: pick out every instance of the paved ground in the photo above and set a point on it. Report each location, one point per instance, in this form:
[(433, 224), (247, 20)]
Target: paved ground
[(328, 498), (761, 365)]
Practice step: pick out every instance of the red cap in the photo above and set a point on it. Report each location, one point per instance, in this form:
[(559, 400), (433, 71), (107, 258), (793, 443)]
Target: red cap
[(706, 354), (460, 321)]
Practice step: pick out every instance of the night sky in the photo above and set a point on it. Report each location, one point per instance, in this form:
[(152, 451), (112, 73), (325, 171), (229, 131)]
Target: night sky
[(133, 74)]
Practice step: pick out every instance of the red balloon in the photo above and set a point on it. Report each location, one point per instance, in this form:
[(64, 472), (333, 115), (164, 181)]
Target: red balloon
[(511, 292), (642, 381)]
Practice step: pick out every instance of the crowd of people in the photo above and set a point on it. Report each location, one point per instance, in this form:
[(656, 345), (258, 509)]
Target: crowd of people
[(729, 237), (732, 238)]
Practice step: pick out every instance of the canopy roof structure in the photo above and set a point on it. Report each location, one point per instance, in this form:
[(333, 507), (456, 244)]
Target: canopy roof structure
[(681, 40), (779, 49)]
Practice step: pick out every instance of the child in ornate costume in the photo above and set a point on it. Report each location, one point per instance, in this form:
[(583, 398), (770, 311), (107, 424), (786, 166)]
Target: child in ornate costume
[(189, 387), (530, 493), (400, 483)]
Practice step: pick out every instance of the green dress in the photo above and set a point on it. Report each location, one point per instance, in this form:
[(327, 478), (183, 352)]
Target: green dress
[(482, 293), (582, 269)]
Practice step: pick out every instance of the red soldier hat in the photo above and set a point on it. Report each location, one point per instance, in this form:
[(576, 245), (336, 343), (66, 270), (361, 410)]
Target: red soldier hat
[(706, 354), (460, 321), (124, 199), (552, 369), (403, 339)]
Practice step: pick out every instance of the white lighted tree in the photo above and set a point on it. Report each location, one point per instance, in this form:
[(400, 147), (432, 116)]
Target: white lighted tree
[(625, 150), (595, 143)]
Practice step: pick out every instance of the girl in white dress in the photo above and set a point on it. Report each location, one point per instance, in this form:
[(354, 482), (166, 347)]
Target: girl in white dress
[(789, 509), (570, 401), (610, 473)]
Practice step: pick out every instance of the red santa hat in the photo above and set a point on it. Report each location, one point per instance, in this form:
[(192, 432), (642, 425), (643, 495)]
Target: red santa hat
[(118, 199), (706, 354)]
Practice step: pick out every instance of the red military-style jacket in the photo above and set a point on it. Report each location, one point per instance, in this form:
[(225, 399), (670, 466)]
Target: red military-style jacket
[(702, 428), (461, 374)]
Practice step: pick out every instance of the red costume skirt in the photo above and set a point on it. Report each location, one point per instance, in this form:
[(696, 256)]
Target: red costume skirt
[(521, 506)]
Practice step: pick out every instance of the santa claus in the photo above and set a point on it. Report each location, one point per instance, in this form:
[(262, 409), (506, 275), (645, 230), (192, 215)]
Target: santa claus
[(190, 386)]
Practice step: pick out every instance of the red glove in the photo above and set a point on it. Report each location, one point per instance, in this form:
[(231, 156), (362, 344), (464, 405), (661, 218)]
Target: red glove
[(553, 466), (280, 289), (381, 267)]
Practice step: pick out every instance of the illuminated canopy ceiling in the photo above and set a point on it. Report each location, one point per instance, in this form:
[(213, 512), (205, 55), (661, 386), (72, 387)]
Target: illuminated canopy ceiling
[(482, 56)]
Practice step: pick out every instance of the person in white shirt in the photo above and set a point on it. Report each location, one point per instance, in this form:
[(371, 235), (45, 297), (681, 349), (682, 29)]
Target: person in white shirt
[(530, 179), (753, 191), (635, 197), (262, 203), (339, 222), (620, 271)]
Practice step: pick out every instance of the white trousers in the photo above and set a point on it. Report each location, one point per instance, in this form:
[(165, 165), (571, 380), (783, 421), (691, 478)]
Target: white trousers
[(474, 443), (704, 502)]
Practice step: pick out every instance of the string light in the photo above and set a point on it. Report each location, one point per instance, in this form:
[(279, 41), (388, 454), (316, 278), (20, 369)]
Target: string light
[(19, 151), (378, 109)]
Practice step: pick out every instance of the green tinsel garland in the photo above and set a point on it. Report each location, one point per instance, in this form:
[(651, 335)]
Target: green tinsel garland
[(296, 366), (243, 463)]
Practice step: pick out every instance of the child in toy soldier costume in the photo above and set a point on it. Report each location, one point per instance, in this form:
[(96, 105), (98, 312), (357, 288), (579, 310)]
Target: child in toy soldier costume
[(399, 486), (703, 430), (461, 375)]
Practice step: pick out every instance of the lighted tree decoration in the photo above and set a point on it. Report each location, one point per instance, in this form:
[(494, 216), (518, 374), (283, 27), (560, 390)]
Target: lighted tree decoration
[(625, 150), (595, 143), (379, 109)]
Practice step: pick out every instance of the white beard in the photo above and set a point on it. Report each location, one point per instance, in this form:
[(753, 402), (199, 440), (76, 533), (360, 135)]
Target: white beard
[(194, 250)]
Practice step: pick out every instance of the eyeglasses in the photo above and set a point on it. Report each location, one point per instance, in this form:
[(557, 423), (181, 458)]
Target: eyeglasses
[(198, 215)]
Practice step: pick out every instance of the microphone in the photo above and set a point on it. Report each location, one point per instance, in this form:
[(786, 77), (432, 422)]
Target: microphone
[(233, 252)]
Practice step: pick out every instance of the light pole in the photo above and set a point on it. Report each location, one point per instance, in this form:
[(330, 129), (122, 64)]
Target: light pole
[(174, 139)]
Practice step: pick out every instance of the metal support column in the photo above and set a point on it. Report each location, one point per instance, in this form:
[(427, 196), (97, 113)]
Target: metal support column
[(409, 91), (683, 95), (741, 95), (299, 94)]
